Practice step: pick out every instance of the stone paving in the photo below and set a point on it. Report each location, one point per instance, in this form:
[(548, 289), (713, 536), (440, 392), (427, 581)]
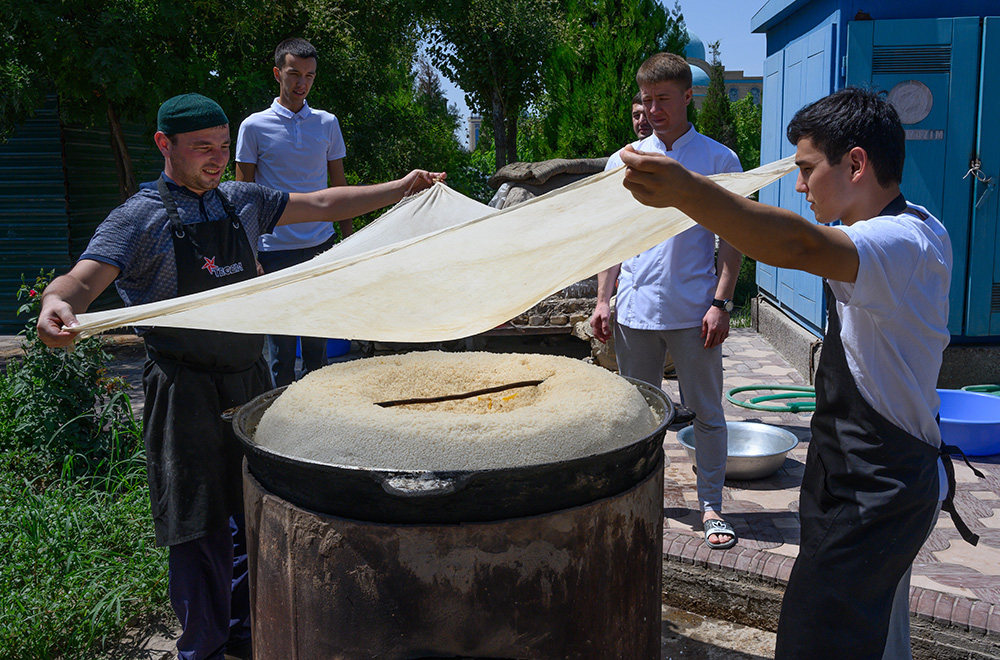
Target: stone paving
[(953, 582)]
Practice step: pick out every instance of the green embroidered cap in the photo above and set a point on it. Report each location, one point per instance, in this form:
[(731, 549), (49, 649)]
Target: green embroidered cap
[(189, 112)]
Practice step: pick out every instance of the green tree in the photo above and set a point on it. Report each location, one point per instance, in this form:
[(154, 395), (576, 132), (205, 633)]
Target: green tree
[(747, 117), (676, 38), (591, 81), (496, 50), (112, 62), (715, 119)]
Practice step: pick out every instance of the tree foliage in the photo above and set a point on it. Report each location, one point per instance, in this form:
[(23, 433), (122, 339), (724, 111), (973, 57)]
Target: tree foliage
[(496, 50), (747, 116), (114, 61), (591, 81), (715, 119)]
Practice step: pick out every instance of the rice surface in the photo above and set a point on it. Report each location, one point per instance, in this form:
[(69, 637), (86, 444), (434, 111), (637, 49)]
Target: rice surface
[(331, 416)]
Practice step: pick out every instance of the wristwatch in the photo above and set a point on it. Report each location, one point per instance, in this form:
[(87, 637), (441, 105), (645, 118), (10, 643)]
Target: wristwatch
[(723, 304)]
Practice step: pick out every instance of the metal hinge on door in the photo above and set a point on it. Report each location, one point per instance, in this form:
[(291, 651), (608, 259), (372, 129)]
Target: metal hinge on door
[(977, 173)]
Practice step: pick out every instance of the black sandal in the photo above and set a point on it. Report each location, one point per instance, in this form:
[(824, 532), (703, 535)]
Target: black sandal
[(720, 527)]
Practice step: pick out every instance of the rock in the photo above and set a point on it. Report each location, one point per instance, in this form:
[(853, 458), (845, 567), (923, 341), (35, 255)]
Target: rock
[(603, 354), (536, 320), (558, 319)]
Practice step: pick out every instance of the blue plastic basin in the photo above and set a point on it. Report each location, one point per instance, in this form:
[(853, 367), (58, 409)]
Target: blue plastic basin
[(971, 421)]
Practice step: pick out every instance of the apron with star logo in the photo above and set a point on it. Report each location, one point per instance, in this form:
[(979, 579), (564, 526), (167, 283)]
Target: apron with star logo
[(191, 376)]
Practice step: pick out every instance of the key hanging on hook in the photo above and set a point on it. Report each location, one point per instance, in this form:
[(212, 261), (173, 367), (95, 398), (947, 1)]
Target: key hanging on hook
[(975, 169)]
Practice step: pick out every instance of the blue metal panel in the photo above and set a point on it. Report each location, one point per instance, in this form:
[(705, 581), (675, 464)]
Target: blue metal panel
[(772, 139), (942, 55), (32, 209), (983, 315), (807, 76)]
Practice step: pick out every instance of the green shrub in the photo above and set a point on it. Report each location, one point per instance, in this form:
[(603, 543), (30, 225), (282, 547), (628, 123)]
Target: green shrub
[(79, 565), (65, 404)]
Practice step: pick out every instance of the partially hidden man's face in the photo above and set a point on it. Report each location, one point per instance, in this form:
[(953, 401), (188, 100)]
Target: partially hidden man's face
[(666, 106), (198, 158), (826, 186), (295, 79), (639, 122)]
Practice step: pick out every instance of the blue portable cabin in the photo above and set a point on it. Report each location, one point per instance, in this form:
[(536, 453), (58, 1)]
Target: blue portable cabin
[(940, 64)]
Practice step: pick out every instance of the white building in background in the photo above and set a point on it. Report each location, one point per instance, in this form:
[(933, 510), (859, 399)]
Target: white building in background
[(475, 124), (738, 85)]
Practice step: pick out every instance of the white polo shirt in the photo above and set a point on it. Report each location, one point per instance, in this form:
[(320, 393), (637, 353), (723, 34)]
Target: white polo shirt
[(894, 317), (290, 151), (671, 286)]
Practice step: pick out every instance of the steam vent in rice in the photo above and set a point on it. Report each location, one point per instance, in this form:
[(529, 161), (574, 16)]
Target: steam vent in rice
[(331, 416)]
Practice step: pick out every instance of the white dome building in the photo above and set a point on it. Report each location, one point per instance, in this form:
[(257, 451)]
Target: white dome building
[(738, 85)]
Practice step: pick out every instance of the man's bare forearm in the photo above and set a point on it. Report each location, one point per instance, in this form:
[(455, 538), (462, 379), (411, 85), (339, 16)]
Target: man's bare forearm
[(766, 233), (729, 261), (606, 283)]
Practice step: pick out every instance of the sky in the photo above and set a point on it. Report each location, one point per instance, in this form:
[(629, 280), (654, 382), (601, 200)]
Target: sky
[(739, 48)]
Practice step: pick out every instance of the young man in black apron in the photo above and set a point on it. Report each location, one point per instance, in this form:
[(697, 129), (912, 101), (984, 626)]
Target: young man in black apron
[(183, 234), (873, 480)]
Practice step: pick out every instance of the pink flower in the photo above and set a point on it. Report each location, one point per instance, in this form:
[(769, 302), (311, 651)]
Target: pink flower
[(32, 293)]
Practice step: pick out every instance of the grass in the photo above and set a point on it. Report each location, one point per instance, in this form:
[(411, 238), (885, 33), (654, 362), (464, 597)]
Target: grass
[(746, 288), (79, 565)]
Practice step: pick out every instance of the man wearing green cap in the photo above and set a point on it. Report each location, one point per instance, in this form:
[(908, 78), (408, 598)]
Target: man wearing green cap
[(183, 234)]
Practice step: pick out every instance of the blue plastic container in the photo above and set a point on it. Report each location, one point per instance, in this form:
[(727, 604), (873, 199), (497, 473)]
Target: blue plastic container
[(337, 347), (334, 347), (971, 421)]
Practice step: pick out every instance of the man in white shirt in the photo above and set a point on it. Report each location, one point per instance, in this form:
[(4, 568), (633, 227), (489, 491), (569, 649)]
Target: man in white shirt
[(673, 297), (874, 476), (293, 148), (640, 125)]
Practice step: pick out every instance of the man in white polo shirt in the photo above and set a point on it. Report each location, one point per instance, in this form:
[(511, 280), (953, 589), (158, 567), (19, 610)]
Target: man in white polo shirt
[(672, 297), (293, 148)]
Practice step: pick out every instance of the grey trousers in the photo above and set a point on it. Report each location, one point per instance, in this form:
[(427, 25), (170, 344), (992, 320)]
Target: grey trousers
[(641, 355), (897, 642)]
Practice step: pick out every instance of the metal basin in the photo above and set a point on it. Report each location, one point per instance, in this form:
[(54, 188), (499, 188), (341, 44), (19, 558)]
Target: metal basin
[(755, 450)]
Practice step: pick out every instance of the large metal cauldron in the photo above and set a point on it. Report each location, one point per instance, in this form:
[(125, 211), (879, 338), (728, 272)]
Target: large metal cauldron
[(424, 496)]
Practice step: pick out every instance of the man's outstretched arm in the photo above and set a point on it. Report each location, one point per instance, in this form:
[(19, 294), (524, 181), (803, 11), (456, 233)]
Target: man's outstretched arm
[(345, 202), (769, 234)]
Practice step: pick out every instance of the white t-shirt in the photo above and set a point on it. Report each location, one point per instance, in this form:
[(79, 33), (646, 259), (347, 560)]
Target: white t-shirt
[(291, 151), (894, 318), (671, 286)]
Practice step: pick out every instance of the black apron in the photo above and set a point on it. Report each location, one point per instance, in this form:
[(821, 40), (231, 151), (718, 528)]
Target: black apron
[(868, 501), (191, 376)]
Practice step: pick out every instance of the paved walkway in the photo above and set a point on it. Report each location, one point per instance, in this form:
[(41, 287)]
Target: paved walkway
[(953, 582)]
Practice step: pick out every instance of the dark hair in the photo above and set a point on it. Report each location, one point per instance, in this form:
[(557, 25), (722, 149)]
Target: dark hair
[(637, 99), (854, 117), (661, 67), (294, 46)]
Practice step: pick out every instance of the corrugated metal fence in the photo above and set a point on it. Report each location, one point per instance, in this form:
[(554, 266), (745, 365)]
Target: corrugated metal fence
[(56, 185)]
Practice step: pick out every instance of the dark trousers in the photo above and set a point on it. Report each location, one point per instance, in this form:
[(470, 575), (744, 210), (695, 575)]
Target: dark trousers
[(210, 593), (282, 347)]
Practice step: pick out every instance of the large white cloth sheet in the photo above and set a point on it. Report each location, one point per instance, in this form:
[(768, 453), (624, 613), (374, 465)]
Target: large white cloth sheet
[(438, 266)]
